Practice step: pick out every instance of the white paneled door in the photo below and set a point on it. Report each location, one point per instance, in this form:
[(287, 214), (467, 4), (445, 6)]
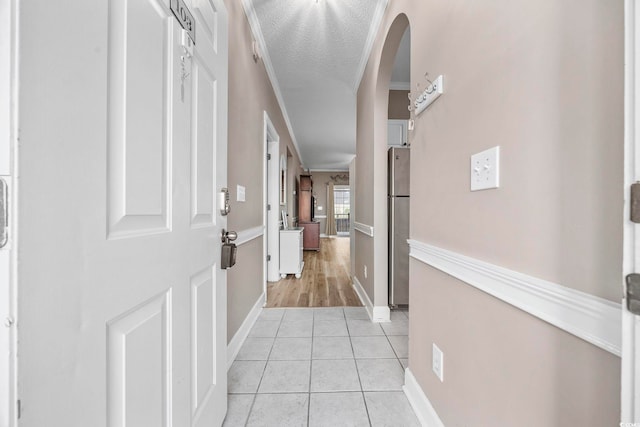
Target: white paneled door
[(123, 146), (630, 378)]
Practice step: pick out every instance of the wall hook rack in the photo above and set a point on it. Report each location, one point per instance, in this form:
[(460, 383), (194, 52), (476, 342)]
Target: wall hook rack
[(429, 95)]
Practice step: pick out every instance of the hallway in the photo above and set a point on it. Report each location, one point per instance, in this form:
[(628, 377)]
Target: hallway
[(321, 367), (325, 280)]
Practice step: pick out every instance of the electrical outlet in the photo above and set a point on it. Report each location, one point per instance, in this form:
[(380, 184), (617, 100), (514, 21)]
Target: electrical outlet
[(485, 169), (437, 362), (365, 271)]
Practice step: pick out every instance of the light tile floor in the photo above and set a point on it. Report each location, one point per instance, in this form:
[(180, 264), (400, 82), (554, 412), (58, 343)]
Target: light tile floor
[(321, 367)]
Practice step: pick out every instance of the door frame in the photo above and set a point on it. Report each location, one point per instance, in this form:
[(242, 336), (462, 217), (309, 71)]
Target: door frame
[(271, 195), (630, 372), (8, 150)]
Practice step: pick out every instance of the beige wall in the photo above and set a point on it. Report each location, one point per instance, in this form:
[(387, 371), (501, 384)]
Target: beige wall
[(503, 367), (248, 80), (544, 80), (398, 105), (320, 181)]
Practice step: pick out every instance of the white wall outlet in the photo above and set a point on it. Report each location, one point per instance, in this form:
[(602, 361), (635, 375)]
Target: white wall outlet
[(240, 193), (319, 208), (437, 362), (365, 271), (485, 169)]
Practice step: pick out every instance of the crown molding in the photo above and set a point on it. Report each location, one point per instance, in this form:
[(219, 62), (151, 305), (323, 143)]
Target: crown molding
[(256, 30), (371, 38)]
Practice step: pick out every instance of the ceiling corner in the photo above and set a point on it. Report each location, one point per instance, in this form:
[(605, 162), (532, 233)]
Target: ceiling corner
[(256, 30), (371, 38)]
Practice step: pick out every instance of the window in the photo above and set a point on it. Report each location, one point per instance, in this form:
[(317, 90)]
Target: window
[(341, 208)]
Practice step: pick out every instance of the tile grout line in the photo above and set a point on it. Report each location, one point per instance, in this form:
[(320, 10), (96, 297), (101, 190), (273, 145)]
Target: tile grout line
[(255, 395), (355, 361), (313, 325)]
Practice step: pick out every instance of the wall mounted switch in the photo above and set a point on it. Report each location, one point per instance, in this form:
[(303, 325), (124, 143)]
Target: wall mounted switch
[(240, 193), (485, 169)]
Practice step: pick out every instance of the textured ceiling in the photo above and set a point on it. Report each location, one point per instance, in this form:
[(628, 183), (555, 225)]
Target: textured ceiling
[(316, 50)]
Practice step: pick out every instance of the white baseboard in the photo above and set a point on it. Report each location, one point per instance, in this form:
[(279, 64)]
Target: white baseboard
[(421, 405), (243, 332), (591, 318), (378, 314), (381, 314), (364, 298)]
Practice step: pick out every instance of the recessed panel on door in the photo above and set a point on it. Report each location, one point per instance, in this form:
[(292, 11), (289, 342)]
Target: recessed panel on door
[(203, 144), (139, 96), (207, 16), (203, 338), (138, 365)]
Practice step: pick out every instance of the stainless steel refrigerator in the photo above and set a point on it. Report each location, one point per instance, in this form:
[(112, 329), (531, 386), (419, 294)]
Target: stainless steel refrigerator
[(398, 195)]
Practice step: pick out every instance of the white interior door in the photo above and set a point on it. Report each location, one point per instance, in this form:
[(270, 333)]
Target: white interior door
[(122, 301), (7, 327), (272, 200), (630, 395)]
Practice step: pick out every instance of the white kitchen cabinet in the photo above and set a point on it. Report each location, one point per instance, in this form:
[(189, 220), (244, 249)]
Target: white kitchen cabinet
[(291, 246), (397, 133)]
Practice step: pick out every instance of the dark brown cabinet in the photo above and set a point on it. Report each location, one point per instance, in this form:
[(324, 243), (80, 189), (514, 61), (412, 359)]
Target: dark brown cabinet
[(311, 236)]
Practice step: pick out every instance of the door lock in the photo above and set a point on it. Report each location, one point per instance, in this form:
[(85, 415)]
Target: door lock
[(229, 250), (223, 202), (633, 293)]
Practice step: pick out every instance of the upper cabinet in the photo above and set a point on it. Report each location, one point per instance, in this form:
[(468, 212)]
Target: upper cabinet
[(397, 133), (304, 198)]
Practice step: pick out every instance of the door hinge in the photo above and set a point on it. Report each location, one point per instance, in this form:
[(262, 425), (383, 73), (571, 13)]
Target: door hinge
[(4, 213), (268, 156), (19, 408), (268, 207), (268, 257), (635, 203), (633, 293)]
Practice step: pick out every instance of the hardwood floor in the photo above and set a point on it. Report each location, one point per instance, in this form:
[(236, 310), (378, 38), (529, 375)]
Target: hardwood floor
[(325, 280)]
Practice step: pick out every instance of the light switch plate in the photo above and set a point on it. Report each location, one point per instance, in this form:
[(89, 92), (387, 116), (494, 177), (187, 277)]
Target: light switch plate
[(485, 169), (240, 193)]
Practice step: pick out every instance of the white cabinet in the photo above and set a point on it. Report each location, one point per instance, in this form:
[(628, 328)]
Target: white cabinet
[(397, 133), (291, 246)]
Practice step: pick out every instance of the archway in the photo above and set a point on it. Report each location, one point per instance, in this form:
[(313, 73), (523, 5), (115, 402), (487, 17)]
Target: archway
[(383, 204)]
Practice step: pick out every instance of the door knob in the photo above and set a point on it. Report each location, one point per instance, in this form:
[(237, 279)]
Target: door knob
[(228, 236)]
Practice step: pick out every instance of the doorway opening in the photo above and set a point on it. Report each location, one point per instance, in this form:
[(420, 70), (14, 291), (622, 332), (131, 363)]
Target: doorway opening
[(271, 197)]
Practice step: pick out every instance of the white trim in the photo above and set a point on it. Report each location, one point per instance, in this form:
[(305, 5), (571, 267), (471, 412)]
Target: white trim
[(364, 298), (376, 21), (377, 314), (9, 86), (381, 314), (363, 228), (243, 332), (421, 405), (399, 86), (256, 30), (630, 364), (320, 217), (591, 318), (249, 234)]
